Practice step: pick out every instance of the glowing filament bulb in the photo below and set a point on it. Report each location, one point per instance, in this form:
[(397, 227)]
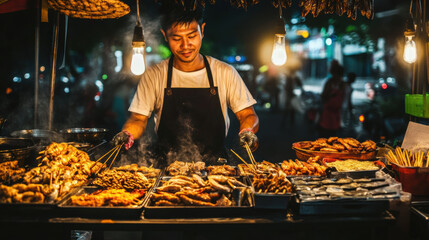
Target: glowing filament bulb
[(137, 62), (279, 51), (410, 52)]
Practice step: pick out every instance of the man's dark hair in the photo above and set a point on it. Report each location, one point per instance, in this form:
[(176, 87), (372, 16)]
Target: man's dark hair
[(173, 14)]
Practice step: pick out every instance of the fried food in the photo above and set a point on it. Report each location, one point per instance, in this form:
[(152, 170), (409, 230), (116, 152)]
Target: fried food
[(185, 168), (62, 167), (195, 191), (113, 179), (336, 144), (222, 170), (11, 172), (111, 197), (271, 184), (296, 167)]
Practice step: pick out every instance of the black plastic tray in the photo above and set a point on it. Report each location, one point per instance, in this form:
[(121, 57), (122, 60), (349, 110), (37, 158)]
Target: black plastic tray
[(272, 201), (106, 212), (342, 207), (162, 212)]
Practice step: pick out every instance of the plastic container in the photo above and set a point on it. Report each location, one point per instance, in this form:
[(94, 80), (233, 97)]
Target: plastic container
[(415, 180), (417, 105)]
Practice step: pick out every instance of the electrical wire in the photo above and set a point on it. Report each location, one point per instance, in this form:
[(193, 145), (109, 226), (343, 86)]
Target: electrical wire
[(138, 14)]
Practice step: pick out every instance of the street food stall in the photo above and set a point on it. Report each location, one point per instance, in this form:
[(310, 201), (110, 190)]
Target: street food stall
[(335, 187)]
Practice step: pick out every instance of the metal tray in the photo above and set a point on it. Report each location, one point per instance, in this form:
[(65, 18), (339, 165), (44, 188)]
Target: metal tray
[(304, 154), (353, 174), (162, 212), (115, 212), (342, 207), (270, 200), (33, 209)]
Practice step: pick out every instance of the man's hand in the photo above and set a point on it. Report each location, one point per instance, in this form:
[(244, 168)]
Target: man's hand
[(247, 136), (123, 137)]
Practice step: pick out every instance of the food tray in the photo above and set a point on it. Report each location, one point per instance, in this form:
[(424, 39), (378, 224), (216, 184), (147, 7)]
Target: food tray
[(420, 219), (270, 200), (342, 207), (353, 174), (33, 209), (415, 180), (304, 154), (162, 212), (109, 212)]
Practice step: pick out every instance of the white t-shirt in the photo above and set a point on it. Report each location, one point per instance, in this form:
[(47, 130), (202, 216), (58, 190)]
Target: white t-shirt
[(149, 96)]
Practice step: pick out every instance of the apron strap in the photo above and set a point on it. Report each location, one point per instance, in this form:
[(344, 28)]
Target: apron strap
[(210, 76), (170, 73)]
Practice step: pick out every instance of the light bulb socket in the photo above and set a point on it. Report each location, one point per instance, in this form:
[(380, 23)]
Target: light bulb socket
[(138, 37), (410, 30), (280, 27)]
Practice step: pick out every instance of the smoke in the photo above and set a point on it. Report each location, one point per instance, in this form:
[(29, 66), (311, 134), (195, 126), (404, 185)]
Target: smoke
[(144, 152)]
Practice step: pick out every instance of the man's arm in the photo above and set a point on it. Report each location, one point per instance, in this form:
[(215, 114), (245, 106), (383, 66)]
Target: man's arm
[(136, 125), (248, 119)]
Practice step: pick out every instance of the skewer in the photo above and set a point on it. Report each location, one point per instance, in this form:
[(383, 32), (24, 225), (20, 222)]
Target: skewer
[(114, 150), (249, 152), (103, 156), (241, 159), (117, 152)]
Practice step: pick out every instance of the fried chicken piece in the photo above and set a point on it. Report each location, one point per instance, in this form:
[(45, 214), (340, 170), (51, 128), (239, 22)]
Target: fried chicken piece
[(332, 140), (369, 145), (195, 195), (169, 188), (338, 147), (352, 142), (165, 196), (193, 202), (344, 143), (164, 203)]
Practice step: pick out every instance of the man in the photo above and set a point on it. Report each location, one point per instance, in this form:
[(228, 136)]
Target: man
[(189, 93)]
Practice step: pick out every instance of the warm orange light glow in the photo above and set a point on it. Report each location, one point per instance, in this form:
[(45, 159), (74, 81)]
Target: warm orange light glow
[(8, 90), (361, 118), (384, 85)]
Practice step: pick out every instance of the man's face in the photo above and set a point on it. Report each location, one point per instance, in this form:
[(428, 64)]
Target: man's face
[(185, 40)]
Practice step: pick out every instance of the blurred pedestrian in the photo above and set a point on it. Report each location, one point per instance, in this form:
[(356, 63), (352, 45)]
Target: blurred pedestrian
[(292, 81), (271, 86), (332, 100), (347, 105)]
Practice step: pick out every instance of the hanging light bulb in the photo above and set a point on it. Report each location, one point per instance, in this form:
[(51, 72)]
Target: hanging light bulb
[(137, 61), (410, 51), (279, 56)]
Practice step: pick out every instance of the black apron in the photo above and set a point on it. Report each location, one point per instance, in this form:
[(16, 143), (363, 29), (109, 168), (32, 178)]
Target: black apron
[(192, 120)]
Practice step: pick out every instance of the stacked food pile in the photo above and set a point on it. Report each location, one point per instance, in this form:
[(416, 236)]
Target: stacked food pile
[(263, 167), (185, 168), (271, 183), (122, 186), (189, 186), (62, 168), (297, 168), (336, 144)]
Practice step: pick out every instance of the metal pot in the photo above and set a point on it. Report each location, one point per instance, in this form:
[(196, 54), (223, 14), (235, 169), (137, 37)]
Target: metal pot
[(20, 149), (38, 135), (86, 135)]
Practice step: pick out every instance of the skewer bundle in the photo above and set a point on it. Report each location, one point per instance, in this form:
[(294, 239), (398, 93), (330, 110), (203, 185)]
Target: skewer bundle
[(406, 158)]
